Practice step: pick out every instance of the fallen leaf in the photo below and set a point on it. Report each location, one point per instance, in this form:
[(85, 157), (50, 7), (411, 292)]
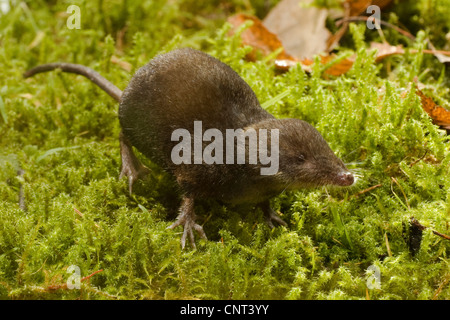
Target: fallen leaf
[(440, 115), (360, 6), (266, 42), (382, 3), (300, 27), (261, 39), (386, 50), (286, 64), (339, 68), (441, 57), (336, 69), (258, 37)]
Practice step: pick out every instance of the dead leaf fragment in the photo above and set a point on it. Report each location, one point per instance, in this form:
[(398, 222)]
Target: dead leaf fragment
[(440, 115), (286, 64), (300, 27), (440, 56), (258, 37), (336, 69), (359, 6), (386, 50)]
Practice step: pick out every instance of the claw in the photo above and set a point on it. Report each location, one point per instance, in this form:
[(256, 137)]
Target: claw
[(131, 168), (133, 174), (274, 217), (187, 219), (271, 216)]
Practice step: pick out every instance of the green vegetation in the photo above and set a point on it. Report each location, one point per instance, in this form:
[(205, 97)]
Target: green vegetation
[(63, 132)]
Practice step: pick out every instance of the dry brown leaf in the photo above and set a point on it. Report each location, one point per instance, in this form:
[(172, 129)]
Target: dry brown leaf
[(382, 3), (286, 64), (440, 115), (440, 56), (258, 37), (300, 27), (386, 50), (359, 6), (336, 69), (339, 68)]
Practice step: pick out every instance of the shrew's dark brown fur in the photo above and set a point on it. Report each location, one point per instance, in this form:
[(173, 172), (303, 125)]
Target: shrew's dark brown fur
[(180, 87)]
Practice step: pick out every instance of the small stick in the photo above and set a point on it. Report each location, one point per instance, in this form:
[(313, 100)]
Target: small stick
[(356, 195), (379, 21), (337, 241), (441, 235), (418, 224), (388, 247), (87, 277), (64, 286), (413, 163), (438, 291), (338, 35), (82, 215)]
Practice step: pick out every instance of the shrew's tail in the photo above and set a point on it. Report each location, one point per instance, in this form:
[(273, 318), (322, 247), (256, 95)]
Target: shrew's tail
[(104, 84)]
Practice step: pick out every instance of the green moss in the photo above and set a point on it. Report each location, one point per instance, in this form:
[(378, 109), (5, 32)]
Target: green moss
[(62, 131)]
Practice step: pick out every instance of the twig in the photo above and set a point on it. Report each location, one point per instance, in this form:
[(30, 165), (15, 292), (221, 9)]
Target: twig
[(337, 241), (82, 215), (87, 277), (388, 247), (379, 21), (414, 162), (356, 195), (331, 42), (64, 285), (438, 291), (446, 53), (418, 224), (441, 235)]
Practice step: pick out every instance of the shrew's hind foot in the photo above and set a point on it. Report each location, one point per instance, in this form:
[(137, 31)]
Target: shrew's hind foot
[(186, 218), (270, 215), (131, 167)]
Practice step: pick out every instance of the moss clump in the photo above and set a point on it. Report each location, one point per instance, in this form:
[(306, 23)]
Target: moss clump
[(62, 131)]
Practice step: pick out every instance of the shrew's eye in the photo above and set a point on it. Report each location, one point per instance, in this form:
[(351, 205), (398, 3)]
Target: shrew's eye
[(301, 158)]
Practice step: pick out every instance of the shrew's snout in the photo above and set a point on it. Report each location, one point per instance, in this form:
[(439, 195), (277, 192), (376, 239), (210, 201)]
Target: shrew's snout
[(345, 178)]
